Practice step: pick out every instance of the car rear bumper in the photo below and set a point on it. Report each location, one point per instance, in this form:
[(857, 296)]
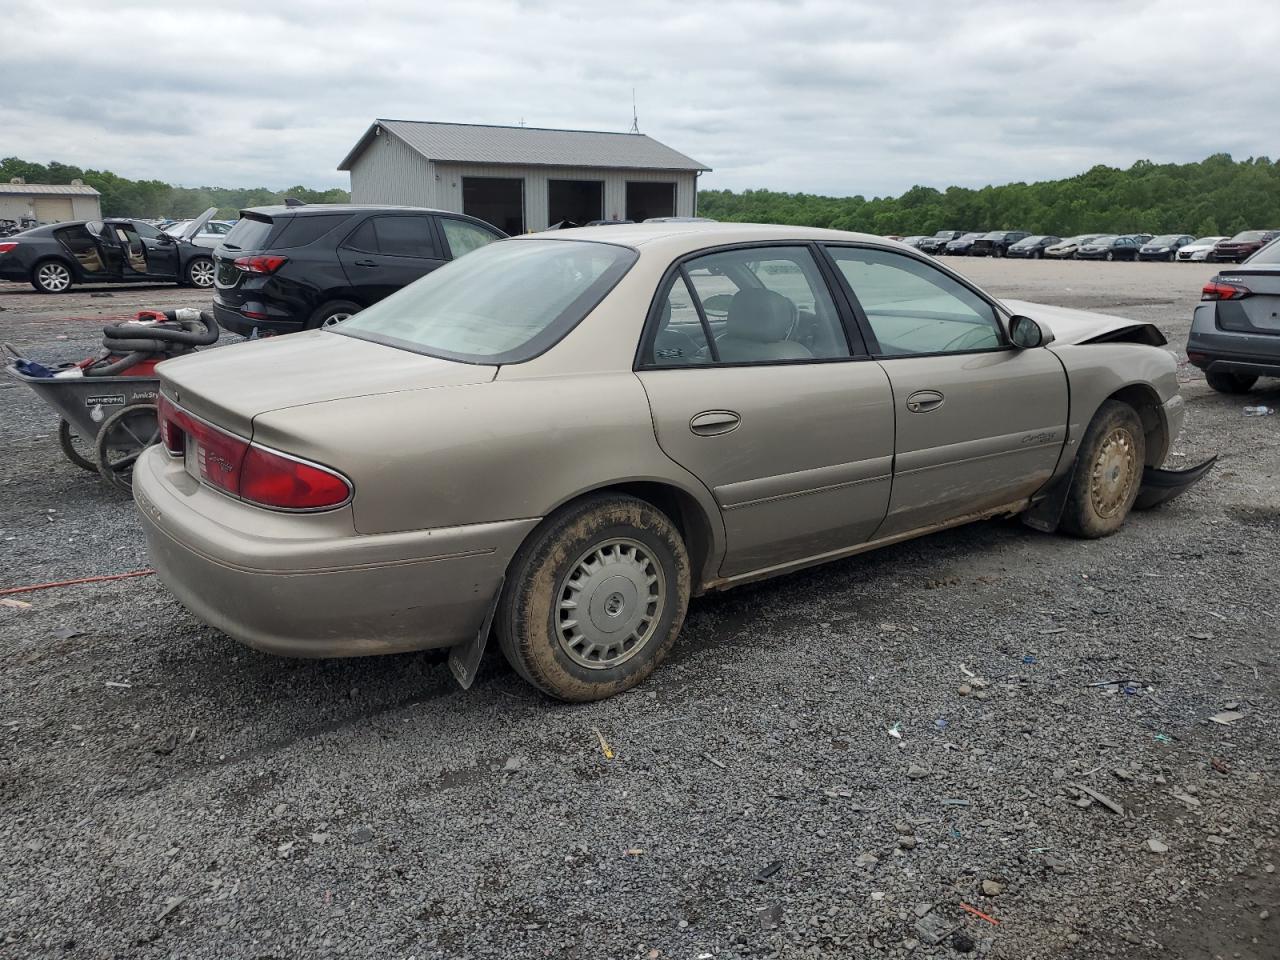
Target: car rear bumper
[(14, 271), (232, 319), (300, 585), (1213, 349)]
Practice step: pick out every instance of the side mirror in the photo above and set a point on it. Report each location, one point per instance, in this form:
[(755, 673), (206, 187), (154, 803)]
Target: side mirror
[(1026, 333)]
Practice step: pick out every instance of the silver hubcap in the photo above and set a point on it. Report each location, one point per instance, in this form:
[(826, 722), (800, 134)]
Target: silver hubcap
[(202, 273), (335, 318), (609, 604), (54, 276), (1114, 473)]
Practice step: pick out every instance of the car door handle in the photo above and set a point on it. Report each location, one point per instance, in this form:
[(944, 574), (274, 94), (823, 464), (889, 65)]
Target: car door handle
[(924, 401), (713, 423), (365, 263)]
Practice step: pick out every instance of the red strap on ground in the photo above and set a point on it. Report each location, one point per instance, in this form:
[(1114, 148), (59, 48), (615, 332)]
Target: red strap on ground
[(71, 583)]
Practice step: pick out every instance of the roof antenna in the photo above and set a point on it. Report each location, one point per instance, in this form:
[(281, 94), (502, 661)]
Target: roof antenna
[(635, 117)]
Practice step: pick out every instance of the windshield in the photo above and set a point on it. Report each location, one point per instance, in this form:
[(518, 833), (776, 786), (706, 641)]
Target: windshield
[(972, 236), (1248, 235), (1102, 241), (1029, 241), (1206, 241), (504, 303), (1163, 241), (945, 234)]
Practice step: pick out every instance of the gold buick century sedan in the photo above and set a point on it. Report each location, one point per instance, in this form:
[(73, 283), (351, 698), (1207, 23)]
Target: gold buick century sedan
[(560, 438)]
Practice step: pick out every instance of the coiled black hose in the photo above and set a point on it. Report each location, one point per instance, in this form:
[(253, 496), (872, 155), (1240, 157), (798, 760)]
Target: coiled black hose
[(131, 343)]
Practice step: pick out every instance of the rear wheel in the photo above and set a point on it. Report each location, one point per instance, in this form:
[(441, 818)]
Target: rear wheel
[(594, 601), (1230, 382), (1109, 257), (335, 311), (51, 276), (1107, 472), (74, 448), (121, 441), (200, 272)]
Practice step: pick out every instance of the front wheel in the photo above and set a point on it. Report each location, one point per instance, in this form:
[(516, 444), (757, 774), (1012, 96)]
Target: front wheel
[(1107, 472), (1109, 257), (1230, 382), (595, 599), (200, 273), (51, 276)]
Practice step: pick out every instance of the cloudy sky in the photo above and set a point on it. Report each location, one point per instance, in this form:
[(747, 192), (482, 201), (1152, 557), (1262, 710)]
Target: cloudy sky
[(831, 96)]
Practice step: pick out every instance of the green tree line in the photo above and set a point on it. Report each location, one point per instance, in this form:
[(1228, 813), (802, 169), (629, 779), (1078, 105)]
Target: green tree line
[(1215, 196), (154, 199)]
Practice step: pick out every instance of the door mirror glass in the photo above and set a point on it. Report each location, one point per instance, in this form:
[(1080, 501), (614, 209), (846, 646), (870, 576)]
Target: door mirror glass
[(1026, 333)]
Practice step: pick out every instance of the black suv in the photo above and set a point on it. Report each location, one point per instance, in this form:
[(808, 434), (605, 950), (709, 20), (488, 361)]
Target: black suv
[(283, 269), (937, 244), (997, 243)]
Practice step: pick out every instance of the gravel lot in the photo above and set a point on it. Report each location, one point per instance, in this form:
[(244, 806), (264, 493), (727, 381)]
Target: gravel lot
[(831, 764)]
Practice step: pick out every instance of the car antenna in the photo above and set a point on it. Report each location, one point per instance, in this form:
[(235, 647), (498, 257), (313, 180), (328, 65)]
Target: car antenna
[(294, 202)]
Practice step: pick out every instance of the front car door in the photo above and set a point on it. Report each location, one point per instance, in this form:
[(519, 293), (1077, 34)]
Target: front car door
[(388, 252), (755, 388), (462, 236), (159, 248), (980, 423)]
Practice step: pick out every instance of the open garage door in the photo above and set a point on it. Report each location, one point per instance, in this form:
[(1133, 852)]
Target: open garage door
[(645, 200), (578, 201), (495, 200)]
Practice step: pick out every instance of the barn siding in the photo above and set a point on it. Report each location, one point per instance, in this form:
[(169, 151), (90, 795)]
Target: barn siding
[(388, 171), (449, 187)]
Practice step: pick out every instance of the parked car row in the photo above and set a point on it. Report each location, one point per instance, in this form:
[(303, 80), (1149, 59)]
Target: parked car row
[(1092, 246)]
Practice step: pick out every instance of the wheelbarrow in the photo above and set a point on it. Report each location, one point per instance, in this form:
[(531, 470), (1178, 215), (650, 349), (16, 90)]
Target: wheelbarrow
[(107, 405)]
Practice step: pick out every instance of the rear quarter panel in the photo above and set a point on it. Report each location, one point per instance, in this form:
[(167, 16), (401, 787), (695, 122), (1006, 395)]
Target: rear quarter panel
[(503, 450), (1097, 371)]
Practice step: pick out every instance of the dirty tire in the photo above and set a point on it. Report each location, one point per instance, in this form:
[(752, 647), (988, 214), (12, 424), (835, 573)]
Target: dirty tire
[(1231, 382), (1107, 473), (69, 440), (550, 569)]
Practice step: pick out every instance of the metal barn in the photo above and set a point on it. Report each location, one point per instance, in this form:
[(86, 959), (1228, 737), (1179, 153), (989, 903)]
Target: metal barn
[(522, 179), (48, 202)]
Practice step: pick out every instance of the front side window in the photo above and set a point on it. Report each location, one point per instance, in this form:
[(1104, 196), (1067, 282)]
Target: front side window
[(756, 305), (504, 303), (464, 237), (915, 308)]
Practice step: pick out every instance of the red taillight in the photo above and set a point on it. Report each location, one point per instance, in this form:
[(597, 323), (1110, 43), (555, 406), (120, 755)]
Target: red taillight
[(1218, 290), (252, 473), (261, 264), (274, 480), (6, 247)]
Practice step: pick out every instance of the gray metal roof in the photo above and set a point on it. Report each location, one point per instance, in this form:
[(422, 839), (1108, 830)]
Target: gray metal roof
[(49, 189), (529, 146)]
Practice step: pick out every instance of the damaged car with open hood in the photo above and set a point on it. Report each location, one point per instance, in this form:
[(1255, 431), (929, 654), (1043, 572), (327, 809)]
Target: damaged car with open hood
[(561, 438), (113, 250)]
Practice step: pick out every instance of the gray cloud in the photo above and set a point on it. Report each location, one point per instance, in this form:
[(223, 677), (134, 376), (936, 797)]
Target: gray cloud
[(831, 96)]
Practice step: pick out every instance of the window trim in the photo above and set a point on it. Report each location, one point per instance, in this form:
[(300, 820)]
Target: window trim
[(999, 312), (653, 317)]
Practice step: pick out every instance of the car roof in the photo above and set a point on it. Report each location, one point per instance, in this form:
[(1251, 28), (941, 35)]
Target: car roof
[(313, 209), (678, 238)]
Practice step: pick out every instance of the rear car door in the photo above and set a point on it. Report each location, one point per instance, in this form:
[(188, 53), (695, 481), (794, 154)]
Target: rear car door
[(83, 243), (755, 388), (979, 423), (387, 252)]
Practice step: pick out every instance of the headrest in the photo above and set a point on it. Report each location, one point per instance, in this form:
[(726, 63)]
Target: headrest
[(666, 313), (760, 315)]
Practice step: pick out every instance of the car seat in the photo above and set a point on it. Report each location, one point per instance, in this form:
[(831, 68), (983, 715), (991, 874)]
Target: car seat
[(757, 329)]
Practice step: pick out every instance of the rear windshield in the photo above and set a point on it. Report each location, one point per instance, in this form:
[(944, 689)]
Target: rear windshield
[(1268, 254), (249, 233), (504, 303)]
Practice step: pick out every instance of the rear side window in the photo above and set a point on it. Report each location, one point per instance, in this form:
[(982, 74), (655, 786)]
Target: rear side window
[(300, 231), (395, 237)]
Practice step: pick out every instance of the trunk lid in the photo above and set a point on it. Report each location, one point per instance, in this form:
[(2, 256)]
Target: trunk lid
[(231, 385), (1260, 311)]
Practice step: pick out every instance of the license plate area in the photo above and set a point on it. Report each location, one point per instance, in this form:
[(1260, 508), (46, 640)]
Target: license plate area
[(192, 457)]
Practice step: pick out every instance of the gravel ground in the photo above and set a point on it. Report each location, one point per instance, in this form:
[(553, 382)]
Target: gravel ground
[(834, 763)]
